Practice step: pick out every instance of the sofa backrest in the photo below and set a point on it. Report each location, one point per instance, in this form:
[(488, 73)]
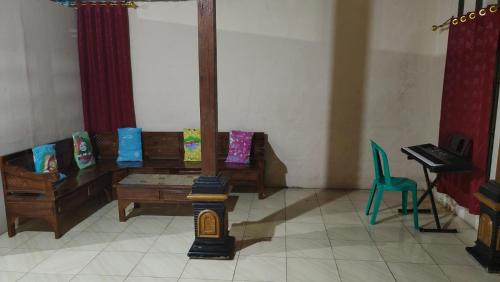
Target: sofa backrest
[(169, 145), (64, 156)]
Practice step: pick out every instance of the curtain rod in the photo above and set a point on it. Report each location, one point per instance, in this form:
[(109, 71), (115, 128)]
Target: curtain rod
[(127, 3), (470, 16), (76, 4)]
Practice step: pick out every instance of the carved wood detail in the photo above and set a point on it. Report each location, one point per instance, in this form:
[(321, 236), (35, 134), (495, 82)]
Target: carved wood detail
[(498, 239), (485, 229), (208, 224)]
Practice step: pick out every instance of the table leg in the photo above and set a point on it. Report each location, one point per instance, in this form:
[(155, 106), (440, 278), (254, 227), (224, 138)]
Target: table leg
[(122, 205)]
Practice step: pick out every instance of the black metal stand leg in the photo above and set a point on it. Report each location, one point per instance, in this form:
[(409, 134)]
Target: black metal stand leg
[(433, 203), (422, 198), (430, 186)]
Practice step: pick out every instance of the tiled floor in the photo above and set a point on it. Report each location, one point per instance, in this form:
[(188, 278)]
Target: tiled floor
[(294, 235)]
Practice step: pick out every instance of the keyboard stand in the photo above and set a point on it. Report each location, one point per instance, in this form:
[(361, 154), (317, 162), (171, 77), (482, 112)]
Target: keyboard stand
[(428, 192)]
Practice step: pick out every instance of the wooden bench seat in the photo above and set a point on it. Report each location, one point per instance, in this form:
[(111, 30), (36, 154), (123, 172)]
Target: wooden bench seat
[(163, 152)]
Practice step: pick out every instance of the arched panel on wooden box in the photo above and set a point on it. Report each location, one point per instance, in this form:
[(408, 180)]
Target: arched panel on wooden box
[(485, 229), (208, 224)]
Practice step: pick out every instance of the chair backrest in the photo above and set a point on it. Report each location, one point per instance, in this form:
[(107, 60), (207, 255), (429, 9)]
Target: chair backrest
[(380, 164)]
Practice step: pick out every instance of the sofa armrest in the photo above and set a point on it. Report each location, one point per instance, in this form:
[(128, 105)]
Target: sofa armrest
[(20, 180), (24, 173), (259, 147)]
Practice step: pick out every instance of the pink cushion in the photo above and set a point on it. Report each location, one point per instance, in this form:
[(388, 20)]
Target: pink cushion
[(240, 143)]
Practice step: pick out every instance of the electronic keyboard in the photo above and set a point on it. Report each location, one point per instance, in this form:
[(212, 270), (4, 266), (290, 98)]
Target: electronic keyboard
[(437, 159)]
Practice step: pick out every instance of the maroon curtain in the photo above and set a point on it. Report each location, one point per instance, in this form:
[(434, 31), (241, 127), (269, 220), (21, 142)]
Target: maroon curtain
[(105, 68), (467, 100)]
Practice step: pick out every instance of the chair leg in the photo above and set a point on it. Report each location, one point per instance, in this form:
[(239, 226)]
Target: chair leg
[(404, 202), (380, 192), (370, 199), (415, 209)]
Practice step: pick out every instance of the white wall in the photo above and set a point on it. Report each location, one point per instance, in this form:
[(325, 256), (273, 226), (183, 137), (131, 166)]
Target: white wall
[(40, 98), (320, 77)]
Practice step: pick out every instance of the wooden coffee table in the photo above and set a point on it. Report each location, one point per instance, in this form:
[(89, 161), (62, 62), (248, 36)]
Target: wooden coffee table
[(152, 188)]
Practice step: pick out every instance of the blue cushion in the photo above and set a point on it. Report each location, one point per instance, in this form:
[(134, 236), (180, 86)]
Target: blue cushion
[(129, 145)]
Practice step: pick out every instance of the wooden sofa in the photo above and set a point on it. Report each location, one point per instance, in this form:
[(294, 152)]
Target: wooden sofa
[(31, 195)]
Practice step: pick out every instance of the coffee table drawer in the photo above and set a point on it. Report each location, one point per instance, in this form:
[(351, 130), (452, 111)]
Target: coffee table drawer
[(177, 196), (138, 194)]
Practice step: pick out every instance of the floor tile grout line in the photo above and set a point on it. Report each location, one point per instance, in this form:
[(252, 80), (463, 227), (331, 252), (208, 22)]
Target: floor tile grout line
[(378, 250), (107, 245), (435, 262), (374, 242), (98, 253), (392, 274), (286, 235), (371, 260), (242, 239), (406, 228), (26, 273), (150, 247), (183, 269), (42, 261), (102, 250), (331, 245), (368, 231), (420, 245), (444, 273)]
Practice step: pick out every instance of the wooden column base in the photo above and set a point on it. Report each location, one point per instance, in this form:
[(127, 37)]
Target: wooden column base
[(487, 250), (212, 240), (485, 257), (223, 251)]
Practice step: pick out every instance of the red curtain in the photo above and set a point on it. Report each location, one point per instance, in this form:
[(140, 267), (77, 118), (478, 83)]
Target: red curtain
[(467, 100), (105, 68)]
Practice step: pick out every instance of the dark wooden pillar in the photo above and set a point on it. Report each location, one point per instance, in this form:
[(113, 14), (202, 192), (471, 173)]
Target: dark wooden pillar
[(479, 5), (207, 51), (210, 191), (461, 4)]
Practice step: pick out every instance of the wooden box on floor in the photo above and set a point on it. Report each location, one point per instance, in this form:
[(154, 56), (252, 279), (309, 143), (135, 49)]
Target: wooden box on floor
[(487, 248)]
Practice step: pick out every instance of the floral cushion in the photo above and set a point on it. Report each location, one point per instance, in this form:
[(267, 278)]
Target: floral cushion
[(240, 144)]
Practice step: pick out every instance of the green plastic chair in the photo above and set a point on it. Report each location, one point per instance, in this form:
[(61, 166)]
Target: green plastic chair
[(383, 181)]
